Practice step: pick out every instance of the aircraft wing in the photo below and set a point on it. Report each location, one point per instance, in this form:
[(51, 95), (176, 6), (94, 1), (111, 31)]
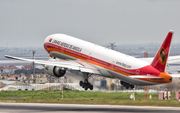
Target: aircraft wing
[(171, 59), (70, 64)]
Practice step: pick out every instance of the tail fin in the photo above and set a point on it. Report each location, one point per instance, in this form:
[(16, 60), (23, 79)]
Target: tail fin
[(161, 57)]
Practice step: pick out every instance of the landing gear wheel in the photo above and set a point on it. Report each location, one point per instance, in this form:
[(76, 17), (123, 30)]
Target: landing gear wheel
[(127, 87), (122, 83), (85, 84), (132, 86), (91, 87), (86, 87), (81, 83)]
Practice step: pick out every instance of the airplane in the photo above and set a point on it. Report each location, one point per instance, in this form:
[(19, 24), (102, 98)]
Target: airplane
[(92, 59)]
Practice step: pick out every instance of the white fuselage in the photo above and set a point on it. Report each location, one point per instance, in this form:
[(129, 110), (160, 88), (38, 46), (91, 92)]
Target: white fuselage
[(110, 63)]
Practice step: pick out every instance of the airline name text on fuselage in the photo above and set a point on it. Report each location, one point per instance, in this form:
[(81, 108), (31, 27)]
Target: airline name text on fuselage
[(123, 65), (66, 45)]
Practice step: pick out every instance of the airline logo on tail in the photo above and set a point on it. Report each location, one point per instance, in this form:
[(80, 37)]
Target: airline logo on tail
[(162, 56)]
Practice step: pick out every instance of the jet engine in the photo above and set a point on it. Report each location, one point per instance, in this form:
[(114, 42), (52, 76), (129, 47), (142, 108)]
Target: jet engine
[(55, 71)]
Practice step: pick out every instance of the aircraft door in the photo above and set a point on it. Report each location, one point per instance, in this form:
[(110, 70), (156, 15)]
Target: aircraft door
[(137, 72)]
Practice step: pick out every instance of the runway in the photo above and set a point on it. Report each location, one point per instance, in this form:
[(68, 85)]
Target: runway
[(77, 108)]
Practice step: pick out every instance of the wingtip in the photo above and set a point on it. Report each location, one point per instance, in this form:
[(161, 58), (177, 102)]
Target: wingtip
[(6, 56)]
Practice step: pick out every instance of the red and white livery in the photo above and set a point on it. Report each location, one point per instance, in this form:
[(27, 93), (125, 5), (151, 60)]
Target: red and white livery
[(90, 58)]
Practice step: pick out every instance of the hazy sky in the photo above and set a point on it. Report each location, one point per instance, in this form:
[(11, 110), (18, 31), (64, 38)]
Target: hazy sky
[(27, 22)]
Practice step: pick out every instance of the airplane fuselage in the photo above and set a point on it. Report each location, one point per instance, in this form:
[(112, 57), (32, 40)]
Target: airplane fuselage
[(110, 63)]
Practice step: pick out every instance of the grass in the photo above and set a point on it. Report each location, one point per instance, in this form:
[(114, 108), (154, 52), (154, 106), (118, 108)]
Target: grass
[(84, 97)]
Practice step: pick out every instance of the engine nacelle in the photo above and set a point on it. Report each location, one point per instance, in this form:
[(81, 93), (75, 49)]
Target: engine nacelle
[(55, 71)]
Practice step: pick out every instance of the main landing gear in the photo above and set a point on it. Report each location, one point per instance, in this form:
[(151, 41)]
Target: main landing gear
[(86, 83), (127, 85)]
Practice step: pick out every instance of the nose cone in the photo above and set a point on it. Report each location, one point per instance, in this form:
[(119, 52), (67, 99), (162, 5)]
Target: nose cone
[(47, 42), (166, 77)]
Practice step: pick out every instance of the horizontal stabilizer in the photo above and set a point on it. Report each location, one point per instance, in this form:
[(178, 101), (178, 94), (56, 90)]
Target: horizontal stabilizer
[(145, 76), (171, 59), (175, 75)]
